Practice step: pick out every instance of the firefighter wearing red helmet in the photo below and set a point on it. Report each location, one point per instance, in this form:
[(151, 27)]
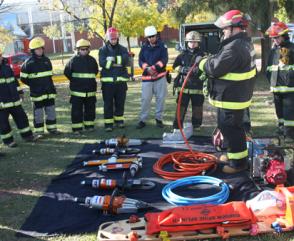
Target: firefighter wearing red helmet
[(113, 58), (231, 76), (280, 73)]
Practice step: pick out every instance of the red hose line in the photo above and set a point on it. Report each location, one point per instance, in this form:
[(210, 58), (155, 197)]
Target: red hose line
[(185, 163)]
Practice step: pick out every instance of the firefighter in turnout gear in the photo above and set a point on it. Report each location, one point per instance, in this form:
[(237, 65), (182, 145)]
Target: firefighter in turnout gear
[(10, 104), (81, 71), (113, 58), (36, 72), (231, 77), (280, 73), (153, 58), (193, 90)]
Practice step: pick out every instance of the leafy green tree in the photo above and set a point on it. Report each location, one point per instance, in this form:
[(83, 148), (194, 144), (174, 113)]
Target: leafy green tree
[(261, 12)]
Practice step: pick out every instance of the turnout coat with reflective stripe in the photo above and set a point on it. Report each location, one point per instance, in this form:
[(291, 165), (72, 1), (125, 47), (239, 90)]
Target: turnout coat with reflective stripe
[(81, 72), (9, 86), (281, 76), (231, 73), (114, 71), (187, 59), (36, 72)]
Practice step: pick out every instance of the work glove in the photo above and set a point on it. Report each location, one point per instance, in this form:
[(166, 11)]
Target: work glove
[(151, 70), (197, 60), (157, 67), (110, 58)]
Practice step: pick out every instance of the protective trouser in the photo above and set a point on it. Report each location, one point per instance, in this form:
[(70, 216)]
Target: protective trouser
[(47, 106), (197, 109), (230, 122), (83, 112), (21, 120), (114, 97), (246, 120), (284, 105), (157, 88)]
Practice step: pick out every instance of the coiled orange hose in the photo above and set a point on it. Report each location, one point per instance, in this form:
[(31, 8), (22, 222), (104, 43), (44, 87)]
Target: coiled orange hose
[(185, 163)]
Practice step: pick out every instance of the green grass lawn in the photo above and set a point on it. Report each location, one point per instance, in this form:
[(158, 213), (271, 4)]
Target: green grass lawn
[(27, 170)]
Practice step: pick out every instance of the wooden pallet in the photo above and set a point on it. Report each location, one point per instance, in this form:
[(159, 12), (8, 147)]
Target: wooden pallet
[(122, 230)]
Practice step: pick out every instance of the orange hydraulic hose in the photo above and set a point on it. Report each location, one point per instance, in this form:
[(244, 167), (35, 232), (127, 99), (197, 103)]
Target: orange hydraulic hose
[(186, 163)]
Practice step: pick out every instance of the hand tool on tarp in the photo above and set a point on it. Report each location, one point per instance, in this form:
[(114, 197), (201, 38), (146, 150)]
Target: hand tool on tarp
[(113, 204), (122, 184)]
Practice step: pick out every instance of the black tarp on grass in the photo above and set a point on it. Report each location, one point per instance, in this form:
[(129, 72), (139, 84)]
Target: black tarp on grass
[(55, 213)]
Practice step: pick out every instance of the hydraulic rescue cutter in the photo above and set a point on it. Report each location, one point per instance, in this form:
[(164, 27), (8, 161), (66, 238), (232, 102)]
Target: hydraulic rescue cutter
[(113, 204)]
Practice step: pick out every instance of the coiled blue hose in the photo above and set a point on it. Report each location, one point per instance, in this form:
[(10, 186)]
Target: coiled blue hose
[(218, 198)]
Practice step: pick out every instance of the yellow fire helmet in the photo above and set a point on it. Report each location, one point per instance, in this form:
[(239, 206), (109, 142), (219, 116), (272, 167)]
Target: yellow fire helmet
[(83, 43), (36, 43)]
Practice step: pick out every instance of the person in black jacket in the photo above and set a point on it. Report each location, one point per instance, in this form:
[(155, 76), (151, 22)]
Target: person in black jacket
[(10, 104), (81, 71), (113, 58), (231, 77), (280, 73), (36, 72), (193, 89)]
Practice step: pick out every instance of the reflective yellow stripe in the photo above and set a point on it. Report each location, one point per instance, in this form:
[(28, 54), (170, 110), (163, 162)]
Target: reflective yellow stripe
[(237, 155), (6, 136), (77, 125), (118, 59), (40, 74), (7, 80), (119, 118), (108, 121), (83, 75), (83, 94), (106, 79), (18, 88), (10, 104), (43, 97), (230, 105), (27, 129), (282, 89), (108, 64), (122, 79), (202, 63), (239, 76), (51, 126), (39, 129), (288, 122), (191, 91), (23, 75), (276, 67), (89, 123), (110, 79)]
